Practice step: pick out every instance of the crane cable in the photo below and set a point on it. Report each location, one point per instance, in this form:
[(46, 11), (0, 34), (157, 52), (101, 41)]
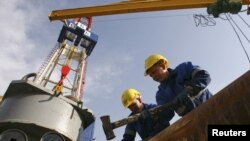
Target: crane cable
[(244, 21), (239, 28), (228, 18)]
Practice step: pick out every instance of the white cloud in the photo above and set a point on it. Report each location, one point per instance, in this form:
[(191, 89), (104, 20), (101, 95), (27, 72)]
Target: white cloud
[(97, 79), (16, 47), (100, 77)]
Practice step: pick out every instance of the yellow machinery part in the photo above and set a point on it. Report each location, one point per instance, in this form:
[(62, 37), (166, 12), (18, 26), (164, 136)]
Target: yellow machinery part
[(130, 7)]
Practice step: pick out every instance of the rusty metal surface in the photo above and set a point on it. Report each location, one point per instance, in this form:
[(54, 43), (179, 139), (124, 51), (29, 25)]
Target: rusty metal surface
[(229, 106)]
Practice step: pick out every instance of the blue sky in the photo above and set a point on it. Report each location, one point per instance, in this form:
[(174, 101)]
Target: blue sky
[(117, 62)]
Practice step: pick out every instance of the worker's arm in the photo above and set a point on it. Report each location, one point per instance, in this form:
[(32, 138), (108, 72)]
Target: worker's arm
[(199, 80), (192, 77), (182, 103), (162, 99), (129, 134)]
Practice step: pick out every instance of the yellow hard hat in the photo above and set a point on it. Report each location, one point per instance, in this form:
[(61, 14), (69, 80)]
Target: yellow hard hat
[(152, 59), (128, 96)]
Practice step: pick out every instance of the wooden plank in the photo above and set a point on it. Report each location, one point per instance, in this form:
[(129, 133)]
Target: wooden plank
[(229, 106)]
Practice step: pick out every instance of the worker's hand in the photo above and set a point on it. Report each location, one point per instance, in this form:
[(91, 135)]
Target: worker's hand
[(182, 98), (192, 90), (189, 89), (182, 104), (145, 115)]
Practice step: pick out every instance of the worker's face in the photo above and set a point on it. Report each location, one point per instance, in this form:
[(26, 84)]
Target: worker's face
[(136, 106), (158, 72)]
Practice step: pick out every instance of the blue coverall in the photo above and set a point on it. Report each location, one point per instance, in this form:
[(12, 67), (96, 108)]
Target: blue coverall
[(143, 127), (185, 74)]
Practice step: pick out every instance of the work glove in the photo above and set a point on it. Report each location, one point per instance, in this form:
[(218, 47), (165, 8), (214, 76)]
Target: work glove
[(145, 115), (182, 103), (192, 91)]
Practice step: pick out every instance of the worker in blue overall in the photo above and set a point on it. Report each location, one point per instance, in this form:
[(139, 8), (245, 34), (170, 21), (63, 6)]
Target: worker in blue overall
[(185, 86), (146, 125)]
